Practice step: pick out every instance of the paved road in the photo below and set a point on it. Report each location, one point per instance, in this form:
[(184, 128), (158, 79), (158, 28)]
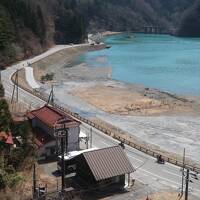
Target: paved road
[(147, 170)]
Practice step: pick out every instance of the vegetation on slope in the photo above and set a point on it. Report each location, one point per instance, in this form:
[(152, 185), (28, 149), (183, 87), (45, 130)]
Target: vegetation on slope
[(13, 160), (121, 15), (28, 27), (190, 24)]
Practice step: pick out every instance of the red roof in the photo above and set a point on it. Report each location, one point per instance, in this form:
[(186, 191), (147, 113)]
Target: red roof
[(7, 137), (51, 116)]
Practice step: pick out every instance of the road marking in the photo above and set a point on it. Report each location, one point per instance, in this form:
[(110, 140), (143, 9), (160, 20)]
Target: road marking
[(135, 158), (104, 143), (160, 177), (171, 173)]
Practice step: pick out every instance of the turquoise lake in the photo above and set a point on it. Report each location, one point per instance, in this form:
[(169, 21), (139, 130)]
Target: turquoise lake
[(160, 61)]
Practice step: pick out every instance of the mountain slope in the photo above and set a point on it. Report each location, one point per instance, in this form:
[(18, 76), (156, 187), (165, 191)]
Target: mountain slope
[(190, 23), (121, 15), (28, 27)]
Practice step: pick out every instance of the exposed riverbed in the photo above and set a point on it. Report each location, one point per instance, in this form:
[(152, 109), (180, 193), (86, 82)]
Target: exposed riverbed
[(167, 121)]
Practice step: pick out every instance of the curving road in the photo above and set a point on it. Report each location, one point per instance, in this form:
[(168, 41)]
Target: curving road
[(157, 177)]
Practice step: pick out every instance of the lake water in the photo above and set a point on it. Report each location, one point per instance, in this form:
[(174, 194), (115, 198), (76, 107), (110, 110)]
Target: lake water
[(160, 61)]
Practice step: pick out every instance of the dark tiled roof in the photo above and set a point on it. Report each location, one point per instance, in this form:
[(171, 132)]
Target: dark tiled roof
[(51, 116), (108, 162)]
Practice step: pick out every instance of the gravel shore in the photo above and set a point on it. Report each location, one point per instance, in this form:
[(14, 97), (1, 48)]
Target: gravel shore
[(169, 122)]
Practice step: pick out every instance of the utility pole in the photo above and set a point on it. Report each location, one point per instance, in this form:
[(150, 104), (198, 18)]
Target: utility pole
[(187, 184), (90, 137), (64, 146), (183, 170), (63, 162), (16, 87), (34, 182), (51, 96)]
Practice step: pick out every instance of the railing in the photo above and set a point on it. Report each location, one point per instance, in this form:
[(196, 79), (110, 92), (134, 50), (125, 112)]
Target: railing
[(122, 136)]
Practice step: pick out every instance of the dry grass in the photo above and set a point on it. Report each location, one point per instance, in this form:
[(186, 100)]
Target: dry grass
[(165, 196), (125, 102)]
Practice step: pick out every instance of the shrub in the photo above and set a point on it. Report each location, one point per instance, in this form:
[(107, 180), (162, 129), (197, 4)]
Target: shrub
[(1, 90), (47, 77)]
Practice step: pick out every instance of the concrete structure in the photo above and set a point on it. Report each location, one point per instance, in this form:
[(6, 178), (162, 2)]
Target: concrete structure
[(152, 30), (48, 124)]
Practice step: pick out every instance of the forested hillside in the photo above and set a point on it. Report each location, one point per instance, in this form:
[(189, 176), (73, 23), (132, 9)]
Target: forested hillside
[(190, 23), (28, 27), (133, 15)]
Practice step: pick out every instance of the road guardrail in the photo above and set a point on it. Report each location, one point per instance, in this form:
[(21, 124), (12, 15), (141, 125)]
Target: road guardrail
[(122, 136)]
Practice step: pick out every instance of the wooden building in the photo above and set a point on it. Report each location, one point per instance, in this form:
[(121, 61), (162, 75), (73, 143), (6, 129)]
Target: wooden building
[(48, 123), (102, 168)]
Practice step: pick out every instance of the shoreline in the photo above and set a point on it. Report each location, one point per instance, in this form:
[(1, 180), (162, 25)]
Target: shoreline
[(75, 80), (92, 82)]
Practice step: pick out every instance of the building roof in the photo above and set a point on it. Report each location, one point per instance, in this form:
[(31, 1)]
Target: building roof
[(6, 137), (52, 117), (72, 154), (108, 162)]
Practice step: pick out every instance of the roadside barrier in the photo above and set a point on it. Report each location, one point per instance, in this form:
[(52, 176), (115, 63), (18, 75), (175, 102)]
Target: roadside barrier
[(120, 136)]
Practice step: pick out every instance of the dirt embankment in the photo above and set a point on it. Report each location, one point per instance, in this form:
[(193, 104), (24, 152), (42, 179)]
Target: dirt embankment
[(165, 196), (132, 101)]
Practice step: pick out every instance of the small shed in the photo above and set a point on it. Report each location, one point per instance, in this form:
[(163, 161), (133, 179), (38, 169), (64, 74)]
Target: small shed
[(48, 122), (103, 167)]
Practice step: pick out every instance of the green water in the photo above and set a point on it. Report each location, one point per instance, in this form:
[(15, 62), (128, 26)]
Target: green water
[(160, 61)]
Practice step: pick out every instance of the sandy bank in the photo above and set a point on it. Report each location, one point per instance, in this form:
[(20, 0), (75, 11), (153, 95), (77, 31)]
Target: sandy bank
[(130, 100), (64, 65), (155, 117), (109, 33)]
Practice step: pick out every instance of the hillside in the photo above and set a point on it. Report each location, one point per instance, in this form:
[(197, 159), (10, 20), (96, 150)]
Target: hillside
[(190, 23), (28, 27), (120, 15)]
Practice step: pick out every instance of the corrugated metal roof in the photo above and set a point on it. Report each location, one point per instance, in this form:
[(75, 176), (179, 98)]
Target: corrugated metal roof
[(51, 116), (108, 162)]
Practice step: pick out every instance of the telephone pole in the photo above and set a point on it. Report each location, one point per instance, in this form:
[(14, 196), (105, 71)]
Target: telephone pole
[(61, 135), (63, 162), (16, 87), (34, 182), (183, 170), (90, 137), (51, 96), (187, 184)]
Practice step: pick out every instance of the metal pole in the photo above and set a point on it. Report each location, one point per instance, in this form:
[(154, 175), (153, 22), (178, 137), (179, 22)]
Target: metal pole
[(63, 163), (87, 141), (52, 96), (66, 140), (13, 93), (90, 137), (187, 184), (34, 182), (17, 77), (183, 169)]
